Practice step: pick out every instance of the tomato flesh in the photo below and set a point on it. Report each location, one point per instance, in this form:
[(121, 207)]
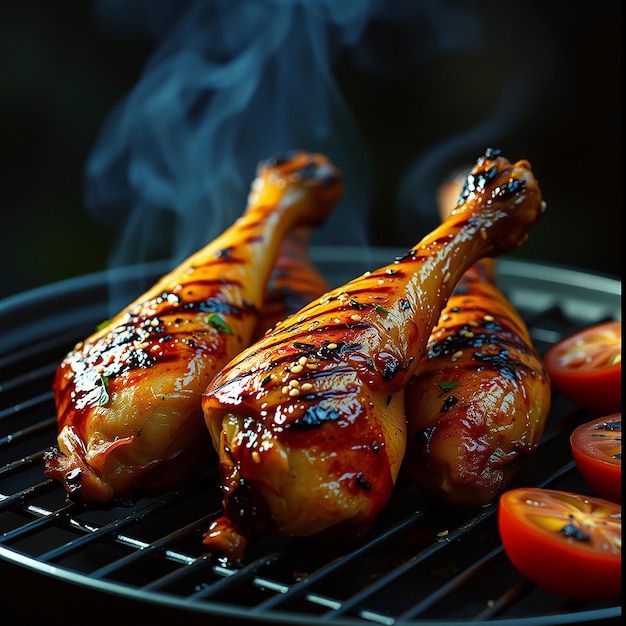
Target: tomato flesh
[(587, 367), (597, 450), (566, 543)]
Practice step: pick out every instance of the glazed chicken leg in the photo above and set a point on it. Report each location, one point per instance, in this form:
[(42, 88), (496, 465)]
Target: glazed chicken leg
[(129, 397), (309, 422), (293, 284), (478, 403)]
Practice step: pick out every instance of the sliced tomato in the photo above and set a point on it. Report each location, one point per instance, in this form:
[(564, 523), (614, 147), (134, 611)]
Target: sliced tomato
[(567, 543), (587, 367), (597, 450)]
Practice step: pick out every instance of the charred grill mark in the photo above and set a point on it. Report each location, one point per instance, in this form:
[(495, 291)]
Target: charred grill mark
[(503, 363), (214, 306), (313, 417), (486, 332), (360, 306)]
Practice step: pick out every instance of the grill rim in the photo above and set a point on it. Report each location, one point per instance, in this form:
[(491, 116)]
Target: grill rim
[(13, 308)]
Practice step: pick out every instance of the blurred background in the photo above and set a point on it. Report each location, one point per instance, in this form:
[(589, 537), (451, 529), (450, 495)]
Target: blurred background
[(131, 130)]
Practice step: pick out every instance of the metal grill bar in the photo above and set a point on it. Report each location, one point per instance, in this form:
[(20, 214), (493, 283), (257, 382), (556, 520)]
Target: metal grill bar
[(160, 538)]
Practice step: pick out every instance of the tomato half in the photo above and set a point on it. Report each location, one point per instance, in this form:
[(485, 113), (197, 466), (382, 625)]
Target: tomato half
[(567, 543), (597, 450), (587, 367)]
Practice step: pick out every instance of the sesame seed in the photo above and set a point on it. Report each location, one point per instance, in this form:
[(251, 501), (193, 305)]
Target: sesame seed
[(483, 234), (296, 369), (473, 323), (356, 317), (285, 390), (294, 392), (332, 346), (294, 383), (256, 457), (489, 318), (336, 320), (306, 386), (302, 360), (457, 355), (154, 322), (380, 281), (311, 366)]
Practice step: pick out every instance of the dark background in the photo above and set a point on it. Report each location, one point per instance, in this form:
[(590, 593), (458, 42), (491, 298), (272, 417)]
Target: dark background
[(63, 70)]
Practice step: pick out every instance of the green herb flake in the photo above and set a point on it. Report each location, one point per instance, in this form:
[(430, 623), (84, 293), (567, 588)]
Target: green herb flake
[(104, 397), (102, 325), (450, 384), (382, 309), (216, 321)]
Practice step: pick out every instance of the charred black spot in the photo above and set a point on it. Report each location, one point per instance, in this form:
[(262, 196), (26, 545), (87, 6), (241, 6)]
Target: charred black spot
[(224, 253), (389, 398), (305, 347), (211, 306), (342, 347), (308, 170), (391, 368), (501, 362), (314, 417), (448, 403), (246, 506), (405, 305), (476, 183), (358, 305), (265, 381), (362, 483), (575, 532), (423, 437), (510, 189)]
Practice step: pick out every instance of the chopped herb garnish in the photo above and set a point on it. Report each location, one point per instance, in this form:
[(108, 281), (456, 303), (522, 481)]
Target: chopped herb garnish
[(104, 398), (450, 384), (382, 309), (101, 325), (215, 320)]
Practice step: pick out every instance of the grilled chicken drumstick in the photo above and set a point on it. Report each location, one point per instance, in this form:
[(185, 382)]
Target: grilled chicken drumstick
[(479, 400), (309, 422), (293, 284), (129, 397)]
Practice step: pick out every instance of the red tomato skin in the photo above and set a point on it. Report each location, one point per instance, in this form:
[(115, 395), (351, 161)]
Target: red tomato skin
[(601, 473), (598, 390), (548, 560)]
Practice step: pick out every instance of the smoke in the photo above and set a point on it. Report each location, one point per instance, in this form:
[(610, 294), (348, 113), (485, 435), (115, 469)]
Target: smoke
[(232, 82)]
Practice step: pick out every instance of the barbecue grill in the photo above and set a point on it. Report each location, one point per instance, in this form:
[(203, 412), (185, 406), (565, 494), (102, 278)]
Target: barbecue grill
[(423, 562)]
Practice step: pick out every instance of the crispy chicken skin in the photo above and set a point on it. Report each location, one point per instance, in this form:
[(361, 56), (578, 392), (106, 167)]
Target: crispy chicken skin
[(479, 400), (128, 398), (309, 422), (294, 282)]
